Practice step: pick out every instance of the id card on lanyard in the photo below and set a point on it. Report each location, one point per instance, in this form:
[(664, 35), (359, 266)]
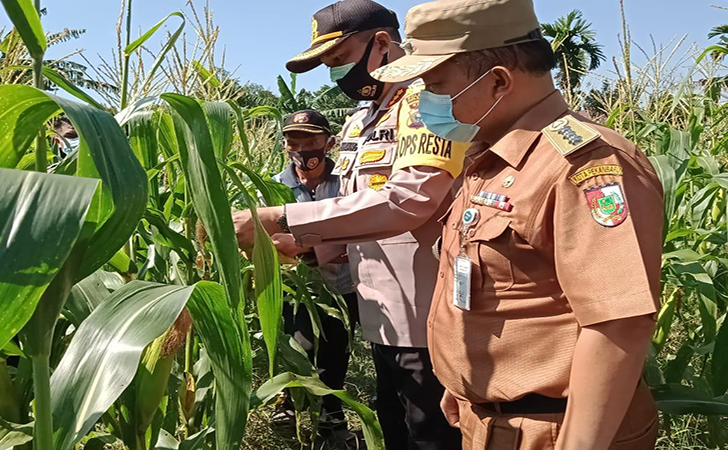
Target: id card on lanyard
[(463, 271), (463, 266)]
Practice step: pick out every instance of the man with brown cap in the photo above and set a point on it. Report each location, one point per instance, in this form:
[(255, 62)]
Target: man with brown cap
[(549, 274), (388, 215), (308, 140)]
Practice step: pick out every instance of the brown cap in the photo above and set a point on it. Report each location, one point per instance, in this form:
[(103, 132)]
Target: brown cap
[(437, 31)]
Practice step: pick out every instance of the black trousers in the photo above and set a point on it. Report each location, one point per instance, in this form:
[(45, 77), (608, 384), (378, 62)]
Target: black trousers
[(332, 356), (408, 401)]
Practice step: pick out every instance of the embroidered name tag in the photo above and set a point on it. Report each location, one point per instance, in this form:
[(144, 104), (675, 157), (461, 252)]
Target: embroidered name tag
[(590, 172)]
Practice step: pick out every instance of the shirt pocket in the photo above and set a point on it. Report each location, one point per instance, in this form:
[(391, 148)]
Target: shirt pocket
[(489, 249)]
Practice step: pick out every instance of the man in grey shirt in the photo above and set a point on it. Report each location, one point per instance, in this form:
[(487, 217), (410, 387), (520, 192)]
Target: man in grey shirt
[(308, 139)]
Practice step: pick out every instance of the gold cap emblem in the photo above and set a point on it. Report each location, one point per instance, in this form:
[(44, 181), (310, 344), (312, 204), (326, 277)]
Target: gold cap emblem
[(314, 29)]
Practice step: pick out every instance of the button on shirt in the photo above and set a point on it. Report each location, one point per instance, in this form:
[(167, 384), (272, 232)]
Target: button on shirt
[(581, 245), (338, 276)]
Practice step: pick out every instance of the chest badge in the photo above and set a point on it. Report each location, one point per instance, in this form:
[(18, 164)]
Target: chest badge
[(471, 217), (355, 132), (508, 181), (607, 204), (377, 181), (492, 200)]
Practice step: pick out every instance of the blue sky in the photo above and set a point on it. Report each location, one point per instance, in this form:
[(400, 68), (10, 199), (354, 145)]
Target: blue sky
[(259, 36)]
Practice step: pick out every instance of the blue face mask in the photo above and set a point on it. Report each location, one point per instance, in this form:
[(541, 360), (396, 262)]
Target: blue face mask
[(340, 72), (436, 113)]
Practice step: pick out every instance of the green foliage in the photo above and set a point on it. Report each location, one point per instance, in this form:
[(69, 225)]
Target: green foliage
[(113, 266), (27, 262), (576, 49)]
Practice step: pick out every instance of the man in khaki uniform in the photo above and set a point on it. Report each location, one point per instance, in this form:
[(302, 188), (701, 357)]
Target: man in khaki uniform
[(550, 266), (388, 214)]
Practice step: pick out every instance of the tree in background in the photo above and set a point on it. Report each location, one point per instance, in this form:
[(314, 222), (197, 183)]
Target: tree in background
[(15, 63), (329, 101), (577, 51)]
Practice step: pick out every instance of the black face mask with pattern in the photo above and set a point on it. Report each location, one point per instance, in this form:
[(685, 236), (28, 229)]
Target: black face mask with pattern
[(308, 160), (358, 84)]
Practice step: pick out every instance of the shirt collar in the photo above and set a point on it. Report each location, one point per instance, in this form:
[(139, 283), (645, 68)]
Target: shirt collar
[(516, 143)]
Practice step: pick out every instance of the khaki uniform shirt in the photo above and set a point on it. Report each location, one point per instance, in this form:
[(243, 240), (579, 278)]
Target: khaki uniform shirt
[(581, 245), (397, 179)]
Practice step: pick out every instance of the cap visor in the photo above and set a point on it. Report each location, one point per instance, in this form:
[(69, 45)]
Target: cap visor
[(311, 58), (408, 67), (313, 129)]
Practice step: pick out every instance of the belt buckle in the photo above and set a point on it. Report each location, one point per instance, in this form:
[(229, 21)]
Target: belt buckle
[(497, 408)]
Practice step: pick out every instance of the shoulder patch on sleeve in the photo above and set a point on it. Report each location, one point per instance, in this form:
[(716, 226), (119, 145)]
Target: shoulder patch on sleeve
[(569, 134), (594, 171)]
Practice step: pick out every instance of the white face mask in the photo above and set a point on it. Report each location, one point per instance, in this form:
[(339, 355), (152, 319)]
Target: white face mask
[(71, 144)]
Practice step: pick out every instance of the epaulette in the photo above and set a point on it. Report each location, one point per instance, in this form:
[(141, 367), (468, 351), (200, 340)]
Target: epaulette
[(350, 113), (569, 134)]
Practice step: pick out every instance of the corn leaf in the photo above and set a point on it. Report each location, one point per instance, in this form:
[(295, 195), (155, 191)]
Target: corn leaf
[(85, 296), (168, 442), (105, 154), (677, 399), (138, 107), (104, 354), (707, 302), (268, 289), (229, 350), (208, 193), (719, 364), (143, 141), (268, 285), (23, 110), (370, 424), (12, 434), (26, 20), (132, 47), (664, 321), (199, 165), (219, 119), (60, 81), (42, 216), (273, 193), (205, 75)]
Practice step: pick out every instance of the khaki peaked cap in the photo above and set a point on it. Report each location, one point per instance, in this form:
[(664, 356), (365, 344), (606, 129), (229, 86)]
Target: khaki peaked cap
[(438, 30)]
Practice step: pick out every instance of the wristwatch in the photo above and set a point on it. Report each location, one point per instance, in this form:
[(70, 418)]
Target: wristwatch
[(283, 222)]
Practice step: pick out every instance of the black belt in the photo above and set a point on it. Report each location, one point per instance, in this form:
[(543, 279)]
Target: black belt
[(530, 404)]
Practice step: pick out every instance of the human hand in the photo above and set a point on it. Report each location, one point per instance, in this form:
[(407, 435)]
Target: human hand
[(244, 228), (451, 409), (245, 225), (286, 245)]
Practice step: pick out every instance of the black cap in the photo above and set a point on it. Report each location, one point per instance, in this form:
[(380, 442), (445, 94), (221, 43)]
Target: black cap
[(333, 24), (308, 121)]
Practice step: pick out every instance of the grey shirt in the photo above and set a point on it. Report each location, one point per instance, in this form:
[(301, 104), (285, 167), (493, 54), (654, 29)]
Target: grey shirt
[(338, 276)]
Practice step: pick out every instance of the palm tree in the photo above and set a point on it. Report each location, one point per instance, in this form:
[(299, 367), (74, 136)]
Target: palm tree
[(719, 50), (576, 49)]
